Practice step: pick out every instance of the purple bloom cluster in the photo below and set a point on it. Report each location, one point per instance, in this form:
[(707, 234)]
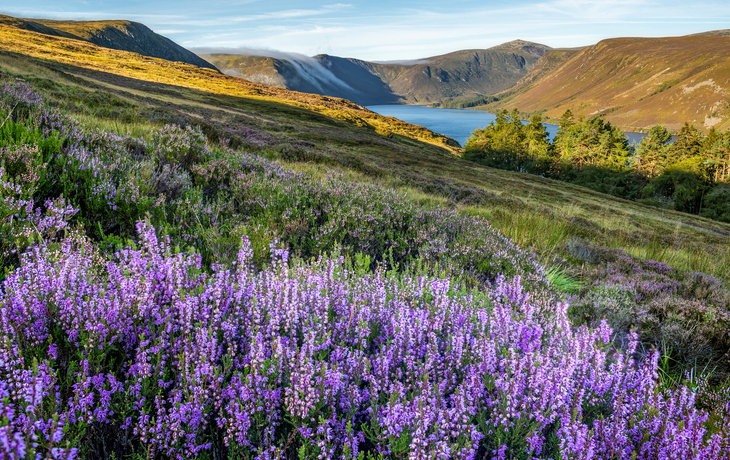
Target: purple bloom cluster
[(317, 360), (314, 216)]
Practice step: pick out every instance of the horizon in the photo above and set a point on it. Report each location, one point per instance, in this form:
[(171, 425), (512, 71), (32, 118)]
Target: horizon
[(380, 31)]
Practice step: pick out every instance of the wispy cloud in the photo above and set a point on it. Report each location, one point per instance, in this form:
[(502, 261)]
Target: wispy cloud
[(294, 13)]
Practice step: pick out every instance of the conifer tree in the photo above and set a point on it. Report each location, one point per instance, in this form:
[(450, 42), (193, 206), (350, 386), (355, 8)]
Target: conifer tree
[(653, 151)]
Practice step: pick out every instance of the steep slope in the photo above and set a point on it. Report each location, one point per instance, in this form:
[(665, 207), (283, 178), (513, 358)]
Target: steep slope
[(464, 73), (118, 35), (546, 64), (638, 82), (328, 75), (84, 59)]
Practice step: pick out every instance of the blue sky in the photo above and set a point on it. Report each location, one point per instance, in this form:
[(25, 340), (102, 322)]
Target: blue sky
[(391, 30)]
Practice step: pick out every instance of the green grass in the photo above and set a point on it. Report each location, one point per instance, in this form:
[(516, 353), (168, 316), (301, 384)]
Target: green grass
[(535, 212)]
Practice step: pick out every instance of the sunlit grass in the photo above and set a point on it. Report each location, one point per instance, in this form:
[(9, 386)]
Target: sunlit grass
[(534, 212)]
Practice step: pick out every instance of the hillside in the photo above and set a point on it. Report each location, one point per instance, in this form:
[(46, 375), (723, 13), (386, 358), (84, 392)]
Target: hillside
[(196, 266), (546, 64), (124, 86), (328, 75), (637, 83), (460, 74), (90, 61), (118, 35)]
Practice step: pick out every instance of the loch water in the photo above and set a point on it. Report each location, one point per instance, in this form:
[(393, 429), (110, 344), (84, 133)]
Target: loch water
[(457, 124)]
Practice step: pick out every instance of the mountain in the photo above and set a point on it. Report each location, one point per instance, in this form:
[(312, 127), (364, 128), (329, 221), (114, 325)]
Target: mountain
[(546, 64), (460, 74), (636, 83), (118, 35), (86, 60), (322, 74)]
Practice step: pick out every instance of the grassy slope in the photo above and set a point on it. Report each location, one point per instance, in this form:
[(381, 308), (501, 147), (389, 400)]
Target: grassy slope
[(534, 211), (85, 59), (465, 73), (638, 82), (119, 35), (256, 69), (546, 64)]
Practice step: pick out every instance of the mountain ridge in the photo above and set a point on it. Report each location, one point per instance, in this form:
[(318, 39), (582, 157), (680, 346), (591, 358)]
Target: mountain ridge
[(463, 73), (120, 35), (635, 83)]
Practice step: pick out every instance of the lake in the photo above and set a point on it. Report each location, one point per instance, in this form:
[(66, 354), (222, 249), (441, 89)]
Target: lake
[(457, 124)]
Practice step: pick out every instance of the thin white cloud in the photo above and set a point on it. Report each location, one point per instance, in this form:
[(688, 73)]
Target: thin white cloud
[(293, 13)]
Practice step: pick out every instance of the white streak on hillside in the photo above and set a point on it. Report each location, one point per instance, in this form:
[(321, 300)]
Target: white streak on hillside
[(309, 69)]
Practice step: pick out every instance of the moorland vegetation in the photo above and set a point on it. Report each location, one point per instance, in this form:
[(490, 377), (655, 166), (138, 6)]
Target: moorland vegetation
[(198, 267), (177, 297), (635, 83)]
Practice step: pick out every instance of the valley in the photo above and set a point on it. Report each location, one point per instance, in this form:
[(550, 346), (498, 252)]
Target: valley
[(460, 74), (195, 265)]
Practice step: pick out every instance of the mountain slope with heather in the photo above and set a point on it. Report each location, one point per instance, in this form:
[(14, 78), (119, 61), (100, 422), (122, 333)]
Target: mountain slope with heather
[(196, 266), (637, 83), (118, 35), (460, 74)]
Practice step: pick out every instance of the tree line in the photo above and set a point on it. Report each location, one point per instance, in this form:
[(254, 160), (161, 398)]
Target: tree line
[(691, 174)]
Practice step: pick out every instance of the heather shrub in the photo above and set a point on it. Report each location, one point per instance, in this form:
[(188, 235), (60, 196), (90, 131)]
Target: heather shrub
[(173, 145), (170, 181), (149, 355), (311, 217), (685, 314), (615, 303)]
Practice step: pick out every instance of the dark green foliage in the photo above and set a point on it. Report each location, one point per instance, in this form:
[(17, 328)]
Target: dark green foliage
[(716, 204), (688, 175), (684, 187), (623, 183), (653, 152), (508, 144)]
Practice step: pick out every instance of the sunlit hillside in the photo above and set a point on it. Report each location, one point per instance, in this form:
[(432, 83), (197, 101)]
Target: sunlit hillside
[(637, 83), (195, 266), (87, 58), (118, 35)]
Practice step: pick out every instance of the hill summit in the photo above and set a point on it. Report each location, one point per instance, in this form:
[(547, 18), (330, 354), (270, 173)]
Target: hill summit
[(461, 74), (118, 35)]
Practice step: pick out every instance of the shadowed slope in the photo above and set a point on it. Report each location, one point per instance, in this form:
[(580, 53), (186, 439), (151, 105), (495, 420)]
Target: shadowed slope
[(118, 35), (464, 73)]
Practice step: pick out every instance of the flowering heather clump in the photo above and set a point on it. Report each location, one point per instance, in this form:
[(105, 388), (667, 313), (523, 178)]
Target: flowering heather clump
[(687, 315), (174, 145), (311, 217), (147, 353)]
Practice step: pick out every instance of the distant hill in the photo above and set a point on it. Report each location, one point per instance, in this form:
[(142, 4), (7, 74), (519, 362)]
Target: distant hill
[(118, 35), (713, 33), (546, 64), (635, 83), (461, 74), (326, 75)]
